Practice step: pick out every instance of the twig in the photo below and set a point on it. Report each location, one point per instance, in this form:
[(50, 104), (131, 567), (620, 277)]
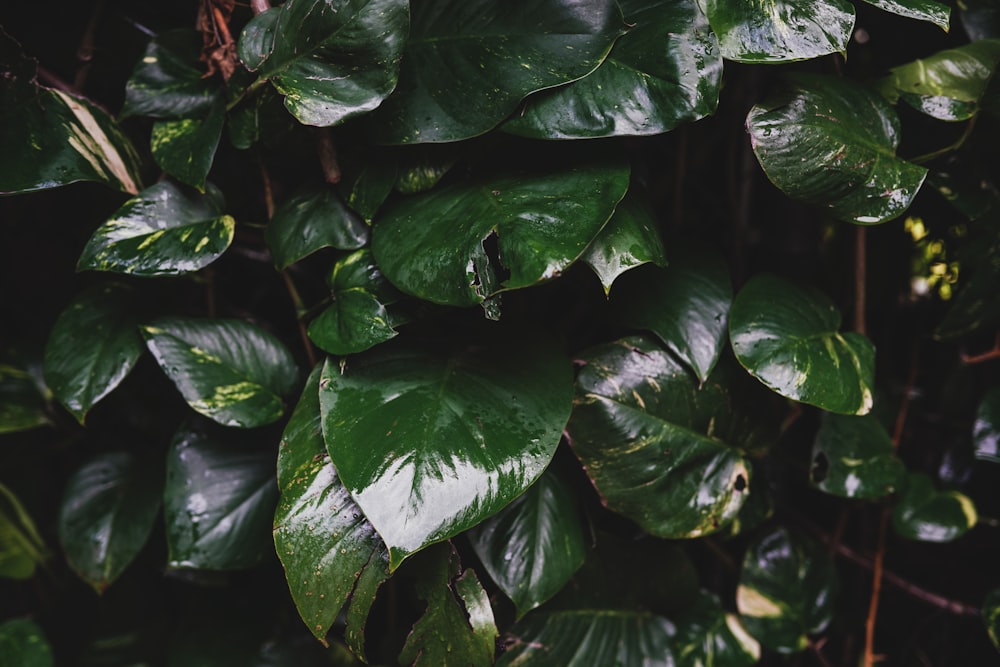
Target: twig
[(954, 146), (988, 355), (328, 156), (85, 52), (869, 655), (53, 81), (860, 274), (817, 648)]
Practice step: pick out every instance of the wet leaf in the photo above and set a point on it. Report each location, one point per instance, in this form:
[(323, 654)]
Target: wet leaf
[(922, 10), (853, 457), (926, 514), (986, 431), (23, 644), (628, 240), (168, 82), (21, 547), (22, 395), (366, 190), (708, 636), (315, 217), (185, 147)]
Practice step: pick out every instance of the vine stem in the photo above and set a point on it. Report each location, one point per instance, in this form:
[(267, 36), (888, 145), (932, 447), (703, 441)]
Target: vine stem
[(954, 146), (988, 355), (88, 46)]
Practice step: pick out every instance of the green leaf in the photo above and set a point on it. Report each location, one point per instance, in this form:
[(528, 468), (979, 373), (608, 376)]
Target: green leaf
[(628, 240), (926, 514), (534, 545), (315, 217), (93, 346), (648, 438), (169, 82), (367, 189), (468, 63), (23, 644), (322, 539), (780, 30), (708, 636), (227, 370), (458, 622), (22, 396), (922, 10), (787, 337), (986, 431), (853, 457), (590, 637), (185, 147), (787, 591), (832, 143), (217, 504), (331, 60), (106, 515), (456, 245), (665, 71), (685, 304), (432, 441), (991, 616), (164, 231), (21, 547)]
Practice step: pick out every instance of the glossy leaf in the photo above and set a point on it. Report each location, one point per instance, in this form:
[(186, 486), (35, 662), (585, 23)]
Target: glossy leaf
[(331, 60), (649, 439), (788, 337), (468, 63), (366, 190), (185, 147), (708, 636), (23, 644), (22, 397), (168, 81), (93, 346), (21, 547), (628, 240), (164, 231), (227, 370), (217, 504), (431, 442), (456, 245), (323, 541), (832, 143), (106, 515), (685, 304), (926, 514), (781, 30), (922, 10), (665, 71), (991, 616), (986, 431), (458, 621), (853, 457), (534, 545), (313, 218), (787, 591)]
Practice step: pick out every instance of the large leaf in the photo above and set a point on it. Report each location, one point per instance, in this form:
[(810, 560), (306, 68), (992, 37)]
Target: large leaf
[(93, 346), (470, 62), (323, 541), (313, 218), (168, 82), (926, 514), (106, 515), (217, 504), (922, 10), (664, 72), (708, 636), (22, 395), (853, 457), (832, 143), (534, 545), (23, 644), (780, 30), (331, 60), (456, 245), (986, 430), (628, 240), (163, 231), (21, 547), (431, 441), (787, 336), (185, 147), (649, 440), (228, 370), (787, 591)]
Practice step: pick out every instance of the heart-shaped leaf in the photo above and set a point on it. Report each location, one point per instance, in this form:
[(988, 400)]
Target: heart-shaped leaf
[(432, 441), (185, 147), (628, 240), (832, 143), (456, 245), (227, 370), (665, 71), (708, 636), (161, 232), (780, 30), (313, 218), (922, 10), (986, 431), (468, 63), (322, 539), (106, 515), (23, 395), (926, 514), (331, 60), (168, 82), (534, 545), (788, 589), (991, 616), (853, 457), (648, 438), (23, 644), (21, 547), (367, 189), (218, 503), (787, 336)]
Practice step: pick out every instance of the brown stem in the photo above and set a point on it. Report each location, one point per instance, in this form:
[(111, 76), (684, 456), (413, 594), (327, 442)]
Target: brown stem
[(989, 355), (259, 6), (869, 655), (328, 156), (860, 271), (85, 52), (222, 26), (52, 80)]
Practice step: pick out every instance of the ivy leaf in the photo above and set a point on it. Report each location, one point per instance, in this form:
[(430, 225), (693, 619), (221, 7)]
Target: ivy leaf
[(853, 457), (161, 232), (313, 218), (665, 71), (648, 438), (468, 63), (986, 431), (168, 82), (832, 143), (331, 60), (185, 147), (22, 395), (23, 644), (787, 591), (322, 539), (780, 30), (922, 10), (21, 547), (106, 515), (628, 240), (534, 545), (991, 616), (926, 514), (217, 504), (708, 636), (787, 337), (432, 441), (227, 370)]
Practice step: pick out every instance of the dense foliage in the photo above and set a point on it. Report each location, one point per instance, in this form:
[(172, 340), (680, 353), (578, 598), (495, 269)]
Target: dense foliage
[(527, 332)]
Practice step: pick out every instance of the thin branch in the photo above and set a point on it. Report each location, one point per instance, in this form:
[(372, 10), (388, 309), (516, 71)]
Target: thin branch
[(989, 355), (88, 46), (869, 655), (328, 155), (954, 146), (860, 276), (52, 80)]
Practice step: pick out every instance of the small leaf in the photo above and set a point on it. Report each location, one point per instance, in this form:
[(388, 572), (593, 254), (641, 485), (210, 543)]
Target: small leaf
[(23, 644), (22, 396), (628, 240), (991, 616), (168, 82), (21, 547), (708, 636), (853, 457), (185, 147), (366, 190), (313, 218), (926, 514), (106, 516), (787, 337), (986, 431), (227, 370), (922, 10), (161, 232)]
